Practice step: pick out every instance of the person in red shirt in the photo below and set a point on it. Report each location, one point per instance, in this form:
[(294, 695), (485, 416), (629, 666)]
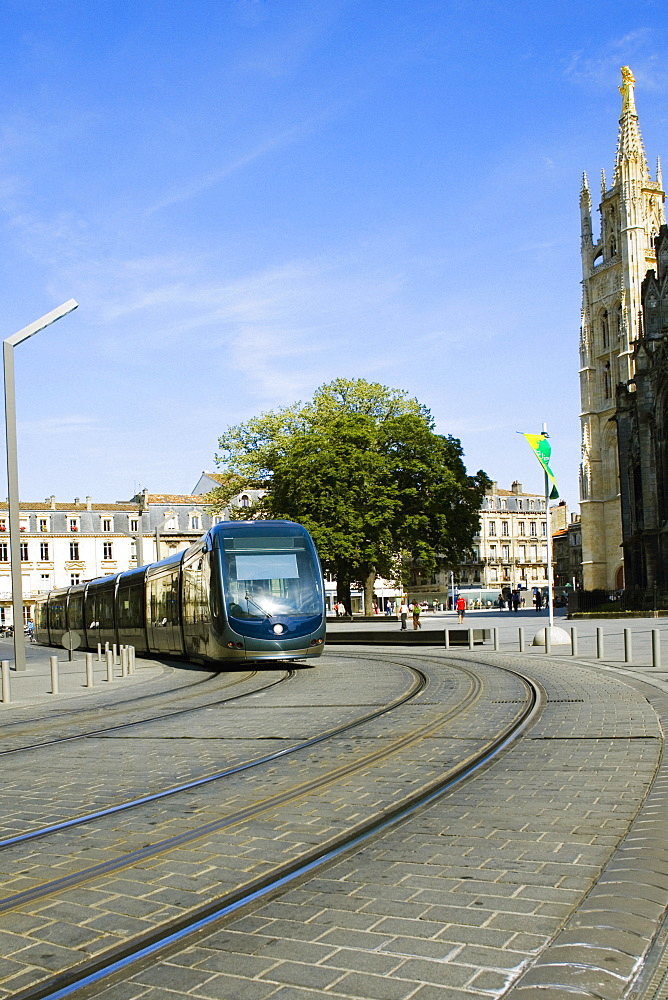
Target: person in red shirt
[(461, 609)]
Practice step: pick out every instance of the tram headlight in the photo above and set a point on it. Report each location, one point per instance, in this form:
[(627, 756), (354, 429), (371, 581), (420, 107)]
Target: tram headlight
[(278, 628)]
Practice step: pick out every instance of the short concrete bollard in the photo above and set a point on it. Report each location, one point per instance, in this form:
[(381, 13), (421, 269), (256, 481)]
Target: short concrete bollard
[(131, 650), (89, 670), (600, 645), (110, 665), (55, 687), (628, 645), (521, 638), (124, 661), (99, 652), (447, 639), (114, 649), (495, 636), (471, 644), (574, 641), (5, 682), (656, 647), (106, 647), (548, 639)]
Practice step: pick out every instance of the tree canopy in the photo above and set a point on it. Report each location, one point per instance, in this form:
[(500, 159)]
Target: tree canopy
[(361, 467)]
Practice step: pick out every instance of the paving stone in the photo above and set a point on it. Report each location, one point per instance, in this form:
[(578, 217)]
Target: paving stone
[(357, 984), (316, 977)]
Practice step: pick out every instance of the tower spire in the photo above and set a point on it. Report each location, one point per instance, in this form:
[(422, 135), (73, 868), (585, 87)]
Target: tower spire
[(629, 145)]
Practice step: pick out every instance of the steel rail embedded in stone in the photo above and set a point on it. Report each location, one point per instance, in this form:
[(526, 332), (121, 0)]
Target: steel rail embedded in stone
[(115, 960)]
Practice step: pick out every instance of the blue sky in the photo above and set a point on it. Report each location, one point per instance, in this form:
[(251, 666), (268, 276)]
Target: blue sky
[(249, 198)]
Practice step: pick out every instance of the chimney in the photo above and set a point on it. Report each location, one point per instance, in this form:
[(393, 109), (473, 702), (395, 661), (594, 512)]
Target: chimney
[(89, 503), (516, 488), (52, 501), (77, 500), (143, 503)]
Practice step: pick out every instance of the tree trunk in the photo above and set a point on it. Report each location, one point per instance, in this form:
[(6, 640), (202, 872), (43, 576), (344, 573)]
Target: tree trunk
[(343, 589), (369, 587)]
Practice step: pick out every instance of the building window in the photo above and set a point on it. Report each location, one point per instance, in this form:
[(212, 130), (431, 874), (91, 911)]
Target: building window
[(492, 553), (43, 524), (532, 528), (520, 528), (24, 551), (45, 581), (3, 552), (3, 524), (44, 551), (73, 523), (107, 550), (74, 551), (245, 502), (530, 504), (195, 522), (534, 554), (172, 522), (218, 519), (134, 524), (75, 579), (520, 504), (543, 528), (107, 524), (523, 553), (24, 524), (504, 528), (492, 528), (506, 553)]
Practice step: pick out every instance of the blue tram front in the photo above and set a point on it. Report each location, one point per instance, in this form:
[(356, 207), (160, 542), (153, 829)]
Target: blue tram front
[(246, 591)]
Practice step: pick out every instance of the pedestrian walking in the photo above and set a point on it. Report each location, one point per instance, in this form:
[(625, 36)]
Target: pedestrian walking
[(403, 615), (416, 615), (538, 600), (461, 609), (516, 600)]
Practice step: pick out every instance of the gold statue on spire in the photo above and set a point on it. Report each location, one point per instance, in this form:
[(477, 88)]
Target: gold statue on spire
[(626, 90)]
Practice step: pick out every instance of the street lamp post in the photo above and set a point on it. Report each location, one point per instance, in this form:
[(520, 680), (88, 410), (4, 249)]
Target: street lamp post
[(13, 470)]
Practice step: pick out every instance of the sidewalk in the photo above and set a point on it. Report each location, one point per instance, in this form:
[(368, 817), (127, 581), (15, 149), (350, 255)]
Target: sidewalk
[(33, 685)]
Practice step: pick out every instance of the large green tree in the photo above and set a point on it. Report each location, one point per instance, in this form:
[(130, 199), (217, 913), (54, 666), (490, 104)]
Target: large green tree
[(362, 469)]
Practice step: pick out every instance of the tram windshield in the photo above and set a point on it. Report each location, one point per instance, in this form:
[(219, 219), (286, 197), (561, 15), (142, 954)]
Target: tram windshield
[(271, 577)]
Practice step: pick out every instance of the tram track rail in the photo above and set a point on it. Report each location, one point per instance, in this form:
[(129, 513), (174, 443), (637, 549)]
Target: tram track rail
[(289, 673), (114, 960)]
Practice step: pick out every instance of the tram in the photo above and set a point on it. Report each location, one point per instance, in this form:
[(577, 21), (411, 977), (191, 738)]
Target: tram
[(245, 591)]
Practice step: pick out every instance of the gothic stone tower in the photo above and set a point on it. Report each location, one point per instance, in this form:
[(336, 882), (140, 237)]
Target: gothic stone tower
[(613, 269)]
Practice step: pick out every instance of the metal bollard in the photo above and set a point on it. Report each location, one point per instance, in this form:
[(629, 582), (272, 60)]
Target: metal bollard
[(114, 649), (471, 646), (495, 634), (574, 641), (628, 645), (656, 647), (131, 650), (521, 637), (55, 688), (447, 639), (124, 661), (89, 670), (5, 682), (600, 645), (106, 647), (99, 652), (548, 639), (110, 665)]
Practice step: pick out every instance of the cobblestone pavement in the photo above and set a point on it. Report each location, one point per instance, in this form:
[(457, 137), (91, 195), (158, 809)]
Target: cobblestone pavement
[(57, 931), (541, 878)]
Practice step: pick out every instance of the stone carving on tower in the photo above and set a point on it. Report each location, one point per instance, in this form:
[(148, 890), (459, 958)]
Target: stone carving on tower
[(613, 269)]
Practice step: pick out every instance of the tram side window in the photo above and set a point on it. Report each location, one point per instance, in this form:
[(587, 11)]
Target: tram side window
[(165, 600), (40, 615), (75, 612), (90, 611), (105, 608), (195, 594), (130, 607), (57, 615)]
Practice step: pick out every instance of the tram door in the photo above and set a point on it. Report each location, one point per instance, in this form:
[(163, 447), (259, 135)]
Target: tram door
[(164, 625)]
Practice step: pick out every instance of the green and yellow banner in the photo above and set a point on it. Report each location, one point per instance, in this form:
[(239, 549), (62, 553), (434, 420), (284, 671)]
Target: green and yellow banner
[(542, 450)]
